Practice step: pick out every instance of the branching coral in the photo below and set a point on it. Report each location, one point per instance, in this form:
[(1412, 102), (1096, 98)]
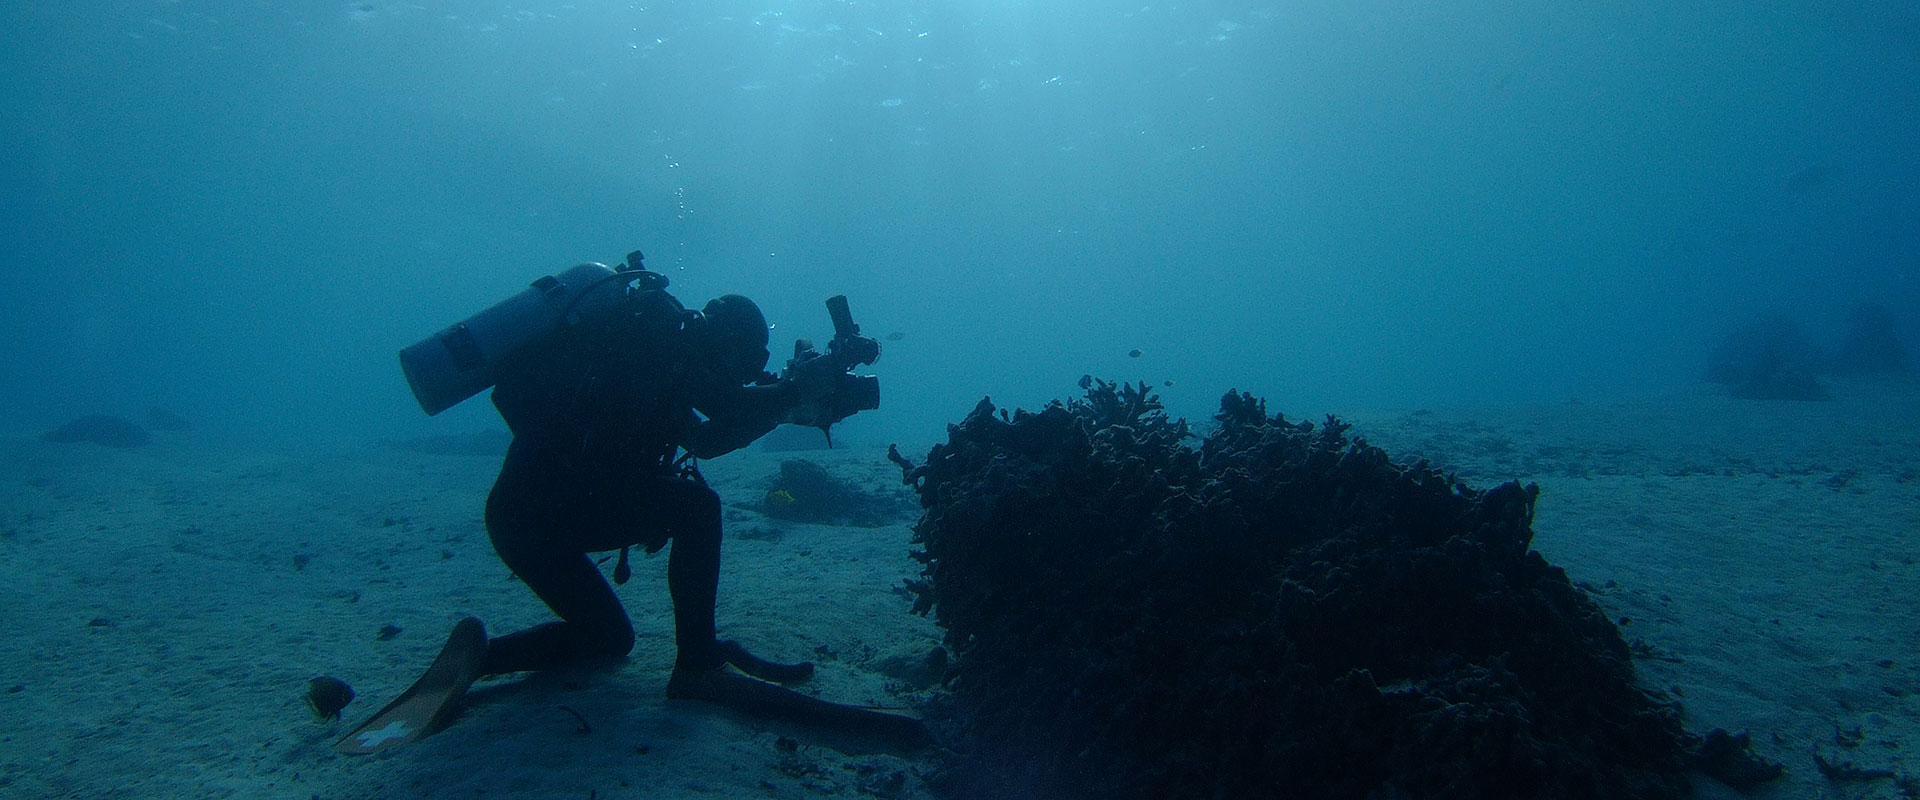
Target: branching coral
[(1275, 609)]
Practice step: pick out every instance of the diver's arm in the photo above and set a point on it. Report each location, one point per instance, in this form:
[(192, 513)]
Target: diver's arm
[(736, 417)]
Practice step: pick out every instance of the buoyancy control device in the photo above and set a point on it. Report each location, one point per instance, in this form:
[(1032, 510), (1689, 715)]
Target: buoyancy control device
[(461, 360)]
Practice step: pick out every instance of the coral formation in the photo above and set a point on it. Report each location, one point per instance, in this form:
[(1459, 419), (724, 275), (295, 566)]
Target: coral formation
[(1278, 611), (807, 492)]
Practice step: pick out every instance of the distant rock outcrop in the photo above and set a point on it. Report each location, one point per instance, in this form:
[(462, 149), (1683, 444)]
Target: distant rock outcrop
[(99, 429), (1767, 359), (1872, 343), (1770, 359)]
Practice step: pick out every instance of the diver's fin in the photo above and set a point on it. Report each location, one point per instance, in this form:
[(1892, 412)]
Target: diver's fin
[(744, 694), (761, 668), (431, 703)]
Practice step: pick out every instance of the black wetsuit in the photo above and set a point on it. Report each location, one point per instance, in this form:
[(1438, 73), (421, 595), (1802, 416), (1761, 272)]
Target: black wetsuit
[(598, 415)]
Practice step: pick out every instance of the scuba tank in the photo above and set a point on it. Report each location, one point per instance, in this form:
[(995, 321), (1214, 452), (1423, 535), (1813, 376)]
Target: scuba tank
[(460, 361)]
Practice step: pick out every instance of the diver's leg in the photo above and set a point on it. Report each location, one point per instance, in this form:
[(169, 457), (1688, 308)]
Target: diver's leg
[(524, 526), (592, 623), (693, 570), (689, 513)]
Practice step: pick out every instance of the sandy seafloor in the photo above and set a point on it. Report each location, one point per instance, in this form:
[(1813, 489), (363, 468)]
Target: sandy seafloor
[(163, 607)]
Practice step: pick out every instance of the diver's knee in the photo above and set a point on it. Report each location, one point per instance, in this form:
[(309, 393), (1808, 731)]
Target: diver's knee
[(614, 642), (602, 637)]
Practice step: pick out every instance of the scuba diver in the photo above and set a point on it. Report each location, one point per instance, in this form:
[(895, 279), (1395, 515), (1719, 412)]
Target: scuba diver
[(612, 402)]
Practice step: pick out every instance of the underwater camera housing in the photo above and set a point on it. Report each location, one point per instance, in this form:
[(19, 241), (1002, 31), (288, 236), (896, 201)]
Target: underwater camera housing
[(851, 393)]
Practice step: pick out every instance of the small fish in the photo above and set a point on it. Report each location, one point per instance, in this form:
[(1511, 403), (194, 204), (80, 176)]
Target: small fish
[(895, 336), (326, 695), (1134, 353)]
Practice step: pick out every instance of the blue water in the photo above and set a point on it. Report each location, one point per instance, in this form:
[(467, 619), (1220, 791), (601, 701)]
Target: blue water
[(240, 210)]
